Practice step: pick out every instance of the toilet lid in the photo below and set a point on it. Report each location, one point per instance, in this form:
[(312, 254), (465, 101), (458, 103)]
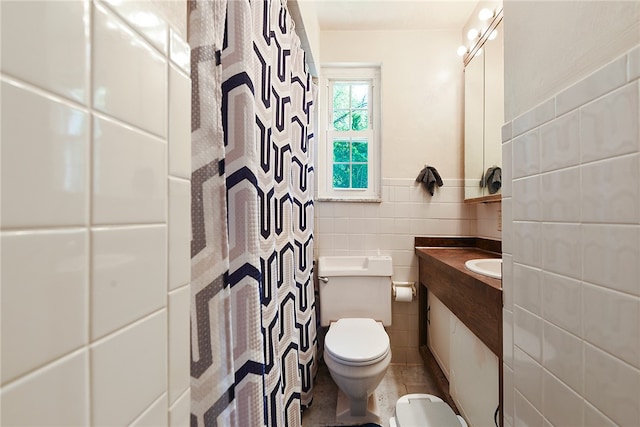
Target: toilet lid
[(425, 410), (357, 340)]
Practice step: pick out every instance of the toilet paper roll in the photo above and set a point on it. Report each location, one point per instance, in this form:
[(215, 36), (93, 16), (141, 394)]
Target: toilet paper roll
[(404, 294)]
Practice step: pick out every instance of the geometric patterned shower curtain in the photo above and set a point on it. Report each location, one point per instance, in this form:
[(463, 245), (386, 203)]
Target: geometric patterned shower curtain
[(253, 306), (284, 102)]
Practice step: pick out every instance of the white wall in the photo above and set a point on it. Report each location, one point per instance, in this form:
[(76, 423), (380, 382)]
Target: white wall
[(422, 95), (95, 225), (571, 219), (421, 81), (552, 44)]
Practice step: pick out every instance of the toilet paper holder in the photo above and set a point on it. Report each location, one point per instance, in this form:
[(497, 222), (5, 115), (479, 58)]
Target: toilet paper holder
[(411, 285)]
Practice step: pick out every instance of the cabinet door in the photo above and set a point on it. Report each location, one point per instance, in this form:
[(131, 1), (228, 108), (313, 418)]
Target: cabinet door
[(473, 379), (438, 332)]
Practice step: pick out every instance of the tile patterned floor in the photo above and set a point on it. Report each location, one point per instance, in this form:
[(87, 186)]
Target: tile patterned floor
[(398, 381)]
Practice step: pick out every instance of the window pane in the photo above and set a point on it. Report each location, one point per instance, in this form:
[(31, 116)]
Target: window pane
[(359, 95), (360, 177), (341, 176), (340, 151), (341, 119), (360, 120), (341, 96), (359, 151)]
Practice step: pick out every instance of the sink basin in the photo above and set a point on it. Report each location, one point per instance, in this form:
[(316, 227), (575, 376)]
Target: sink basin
[(491, 267)]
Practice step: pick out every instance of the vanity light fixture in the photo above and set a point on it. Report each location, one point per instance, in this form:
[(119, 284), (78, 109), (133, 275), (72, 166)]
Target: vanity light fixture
[(485, 14), (479, 37)]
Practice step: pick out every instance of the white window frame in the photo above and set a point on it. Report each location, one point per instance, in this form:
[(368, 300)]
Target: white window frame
[(342, 72)]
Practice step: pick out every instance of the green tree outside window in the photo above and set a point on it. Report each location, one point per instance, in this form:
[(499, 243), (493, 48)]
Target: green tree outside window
[(350, 155)]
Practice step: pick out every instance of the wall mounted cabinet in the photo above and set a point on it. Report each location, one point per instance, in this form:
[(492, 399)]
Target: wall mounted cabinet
[(484, 113)]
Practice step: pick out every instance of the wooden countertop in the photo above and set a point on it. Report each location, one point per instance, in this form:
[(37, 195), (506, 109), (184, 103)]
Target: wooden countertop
[(475, 299), (456, 257)]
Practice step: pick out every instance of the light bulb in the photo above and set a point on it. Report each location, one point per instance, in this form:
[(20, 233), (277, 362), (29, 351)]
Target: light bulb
[(478, 52), (485, 14), (472, 34), (493, 34), (462, 50)]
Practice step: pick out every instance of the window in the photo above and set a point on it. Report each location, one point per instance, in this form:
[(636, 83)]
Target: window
[(349, 159)]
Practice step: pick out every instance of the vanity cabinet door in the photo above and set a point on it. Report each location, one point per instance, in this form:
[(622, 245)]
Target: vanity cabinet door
[(438, 332), (473, 377)]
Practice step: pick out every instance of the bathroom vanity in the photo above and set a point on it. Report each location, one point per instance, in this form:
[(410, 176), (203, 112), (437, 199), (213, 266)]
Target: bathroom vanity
[(461, 323)]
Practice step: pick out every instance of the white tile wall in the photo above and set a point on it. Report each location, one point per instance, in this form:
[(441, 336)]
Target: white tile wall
[(597, 84), (528, 293), (525, 413), (560, 195), (127, 189), (57, 394), (145, 19), (389, 228), (527, 332), (179, 413), (141, 370), (611, 386), (179, 342), (561, 249), (610, 255), (575, 317), (48, 271), (489, 223), (155, 415), (558, 343), (562, 302), (52, 188), (179, 119), (179, 232), (95, 131), (526, 198), (560, 142), (55, 35), (126, 281), (127, 73), (527, 243), (507, 285), (562, 406), (611, 190), (508, 407), (526, 154)]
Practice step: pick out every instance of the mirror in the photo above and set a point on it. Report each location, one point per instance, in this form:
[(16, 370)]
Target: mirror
[(483, 115), (473, 127)]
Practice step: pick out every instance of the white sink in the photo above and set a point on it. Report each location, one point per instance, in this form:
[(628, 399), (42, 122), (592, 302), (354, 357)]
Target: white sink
[(491, 267)]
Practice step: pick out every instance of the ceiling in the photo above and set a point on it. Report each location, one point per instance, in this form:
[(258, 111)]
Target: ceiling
[(362, 15)]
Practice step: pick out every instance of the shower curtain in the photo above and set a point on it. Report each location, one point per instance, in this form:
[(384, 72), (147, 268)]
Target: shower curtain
[(253, 304)]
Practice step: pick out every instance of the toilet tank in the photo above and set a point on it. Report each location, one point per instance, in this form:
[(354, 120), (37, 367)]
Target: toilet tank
[(355, 286)]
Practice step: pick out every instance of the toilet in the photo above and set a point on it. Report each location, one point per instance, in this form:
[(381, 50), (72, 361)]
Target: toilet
[(424, 410), (355, 295)]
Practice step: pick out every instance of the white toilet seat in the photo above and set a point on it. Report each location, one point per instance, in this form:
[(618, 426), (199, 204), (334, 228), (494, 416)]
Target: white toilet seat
[(357, 342), (424, 410)]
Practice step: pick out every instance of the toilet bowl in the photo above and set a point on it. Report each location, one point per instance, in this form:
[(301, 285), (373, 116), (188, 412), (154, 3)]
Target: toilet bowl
[(424, 410), (355, 303), (357, 354)]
